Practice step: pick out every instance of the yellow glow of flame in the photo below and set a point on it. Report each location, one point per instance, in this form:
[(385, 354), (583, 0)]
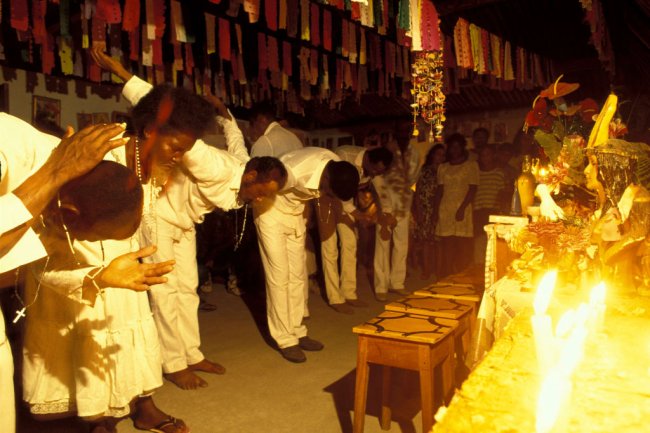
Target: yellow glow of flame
[(544, 292), (553, 392), (597, 295), (565, 324)]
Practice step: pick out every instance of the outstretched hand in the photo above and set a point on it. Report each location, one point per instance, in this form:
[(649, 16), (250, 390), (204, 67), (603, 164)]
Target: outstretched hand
[(127, 272), (78, 153)]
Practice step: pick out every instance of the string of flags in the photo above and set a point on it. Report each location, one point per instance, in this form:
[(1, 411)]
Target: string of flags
[(251, 50), (476, 52), (327, 51)]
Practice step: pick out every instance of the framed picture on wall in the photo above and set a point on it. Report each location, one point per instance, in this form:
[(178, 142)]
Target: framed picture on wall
[(120, 117), (4, 97), (99, 118), (46, 111), (83, 120)]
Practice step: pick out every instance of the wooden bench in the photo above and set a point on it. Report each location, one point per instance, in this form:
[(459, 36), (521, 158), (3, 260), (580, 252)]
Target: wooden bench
[(407, 341)]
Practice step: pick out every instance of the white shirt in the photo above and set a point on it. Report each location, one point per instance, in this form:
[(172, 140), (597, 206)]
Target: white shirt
[(22, 153), (276, 141), (354, 155), (304, 169), (208, 178)]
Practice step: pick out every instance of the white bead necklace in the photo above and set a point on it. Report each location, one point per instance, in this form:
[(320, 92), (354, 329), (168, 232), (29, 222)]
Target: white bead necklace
[(151, 192), (239, 238), (329, 210)]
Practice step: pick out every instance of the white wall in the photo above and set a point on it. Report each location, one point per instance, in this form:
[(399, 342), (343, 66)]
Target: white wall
[(20, 102)]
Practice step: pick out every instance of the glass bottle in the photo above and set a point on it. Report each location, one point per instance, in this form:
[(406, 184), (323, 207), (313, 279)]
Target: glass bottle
[(526, 185)]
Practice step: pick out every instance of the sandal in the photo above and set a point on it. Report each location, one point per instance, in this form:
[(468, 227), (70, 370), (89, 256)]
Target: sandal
[(166, 423)]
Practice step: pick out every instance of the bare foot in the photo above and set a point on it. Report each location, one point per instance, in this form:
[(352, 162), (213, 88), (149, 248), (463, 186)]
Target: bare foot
[(207, 367), (148, 416), (185, 379)]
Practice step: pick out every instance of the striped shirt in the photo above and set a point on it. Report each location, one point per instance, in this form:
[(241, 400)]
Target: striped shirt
[(489, 186)]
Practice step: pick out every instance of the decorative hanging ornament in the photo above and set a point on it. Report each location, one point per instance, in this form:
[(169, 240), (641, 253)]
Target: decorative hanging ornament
[(428, 98)]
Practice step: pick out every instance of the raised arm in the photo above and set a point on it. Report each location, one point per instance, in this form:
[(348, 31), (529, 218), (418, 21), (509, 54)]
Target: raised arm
[(234, 137), (108, 63)]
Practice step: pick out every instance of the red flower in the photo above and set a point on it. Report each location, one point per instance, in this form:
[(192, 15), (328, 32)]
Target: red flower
[(535, 117)]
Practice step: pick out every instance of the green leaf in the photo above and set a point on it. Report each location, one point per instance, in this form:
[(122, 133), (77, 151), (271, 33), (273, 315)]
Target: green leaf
[(549, 143)]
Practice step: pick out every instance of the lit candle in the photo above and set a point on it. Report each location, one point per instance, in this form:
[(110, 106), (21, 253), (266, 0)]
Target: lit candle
[(556, 386), (541, 322), (597, 305), (554, 391)]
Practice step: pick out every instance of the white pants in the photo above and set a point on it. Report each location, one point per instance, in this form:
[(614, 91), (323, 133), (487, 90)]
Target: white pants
[(332, 221), (390, 269), (175, 303), (7, 402), (281, 239)]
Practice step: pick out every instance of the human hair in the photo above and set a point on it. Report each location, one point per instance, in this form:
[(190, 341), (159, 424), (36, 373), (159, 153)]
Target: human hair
[(268, 169), (456, 138), (106, 192), (264, 109), (343, 179), (380, 155), (481, 130), (169, 109), (430, 154)]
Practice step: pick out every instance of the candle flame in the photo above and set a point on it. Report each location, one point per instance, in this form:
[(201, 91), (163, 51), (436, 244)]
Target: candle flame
[(565, 324), (544, 292)]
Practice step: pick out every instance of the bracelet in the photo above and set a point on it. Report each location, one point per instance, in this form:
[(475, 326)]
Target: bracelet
[(100, 291)]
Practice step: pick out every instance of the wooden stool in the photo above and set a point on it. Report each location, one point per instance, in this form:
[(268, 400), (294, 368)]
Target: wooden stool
[(406, 341), (456, 309), (463, 292)]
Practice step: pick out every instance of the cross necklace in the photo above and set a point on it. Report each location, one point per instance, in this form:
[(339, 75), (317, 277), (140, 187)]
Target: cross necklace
[(22, 312)]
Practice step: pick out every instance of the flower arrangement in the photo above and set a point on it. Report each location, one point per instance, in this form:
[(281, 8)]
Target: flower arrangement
[(561, 129)]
